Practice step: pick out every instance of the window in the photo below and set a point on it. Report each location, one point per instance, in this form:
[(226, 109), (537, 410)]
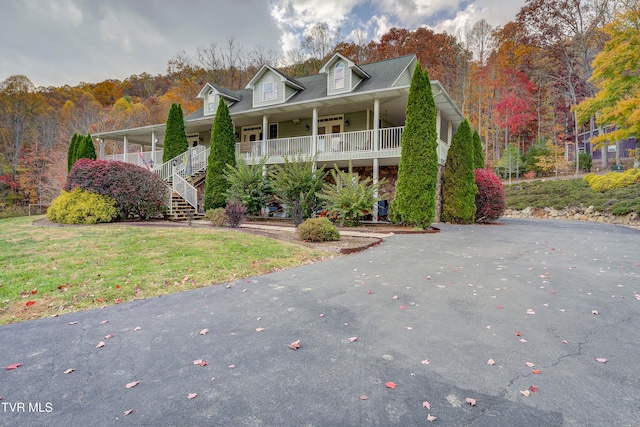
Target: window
[(273, 131), (212, 106), (269, 89), (338, 76)]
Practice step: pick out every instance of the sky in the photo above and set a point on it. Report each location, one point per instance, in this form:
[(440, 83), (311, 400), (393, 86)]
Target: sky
[(65, 42)]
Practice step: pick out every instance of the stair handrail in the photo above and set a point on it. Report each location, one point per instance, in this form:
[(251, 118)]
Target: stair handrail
[(185, 190), (178, 164)]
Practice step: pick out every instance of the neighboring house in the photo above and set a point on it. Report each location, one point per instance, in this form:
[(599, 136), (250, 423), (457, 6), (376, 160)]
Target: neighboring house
[(345, 112)]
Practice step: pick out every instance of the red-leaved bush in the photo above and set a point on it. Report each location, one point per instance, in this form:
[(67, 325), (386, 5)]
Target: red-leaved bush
[(490, 199), (235, 212), (137, 191)]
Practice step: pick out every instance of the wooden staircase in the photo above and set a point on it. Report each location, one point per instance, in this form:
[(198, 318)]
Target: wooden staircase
[(181, 210)]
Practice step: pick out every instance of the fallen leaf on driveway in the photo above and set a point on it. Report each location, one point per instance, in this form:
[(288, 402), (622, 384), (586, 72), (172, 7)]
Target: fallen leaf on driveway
[(594, 312), (431, 418), (132, 384), (260, 329), (109, 336), (73, 323), (530, 311), (204, 332), (601, 360), (100, 344), (137, 328), (14, 366), (363, 397), (491, 362), (390, 384), (352, 339), (525, 393), (533, 388), (470, 401), (426, 361), (295, 345), (104, 322), (536, 371), (518, 334), (128, 412), (529, 364), (192, 395), (68, 371), (426, 404)]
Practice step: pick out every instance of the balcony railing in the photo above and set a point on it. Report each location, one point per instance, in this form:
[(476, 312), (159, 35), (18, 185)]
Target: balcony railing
[(329, 146)]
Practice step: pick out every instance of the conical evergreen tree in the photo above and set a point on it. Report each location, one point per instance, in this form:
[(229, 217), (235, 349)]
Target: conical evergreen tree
[(458, 179), (71, 153), (86, 149), (415, 198), (478, 155), (175, 138), (223, 153)]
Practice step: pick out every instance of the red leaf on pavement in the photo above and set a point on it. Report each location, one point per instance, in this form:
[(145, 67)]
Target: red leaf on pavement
[(390, 384), (259, 329), (204, 332), (109, 336), (295, 345), (14, 366), (601, 360), (132, 384), (403, 307), (192, 395), (203, 363), (500, 306), (533, 388), (491, 362), (470, 401), (426, 404), (363, 397), (518, 334), (29, 303), (128, 412), (100, 344), (352, 339), (104, 322), (370, 291), (536, 371)]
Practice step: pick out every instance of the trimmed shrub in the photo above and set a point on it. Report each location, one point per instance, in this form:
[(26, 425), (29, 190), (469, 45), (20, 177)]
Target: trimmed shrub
[(602, 183), (248, 184), (217, 217), (235, 213), (85, 149), (82, 207), (223, 153), (137, 191), (73, 147), (490, 199), (478, 155), (458, 180), (175, 139), (318, 230)]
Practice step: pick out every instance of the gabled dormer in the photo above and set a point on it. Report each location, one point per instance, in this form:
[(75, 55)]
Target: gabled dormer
[(211, 95), (271, 87), (343, 75)]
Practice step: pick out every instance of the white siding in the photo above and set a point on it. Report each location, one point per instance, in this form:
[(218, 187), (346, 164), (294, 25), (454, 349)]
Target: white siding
[(331, 90), (257, 90)]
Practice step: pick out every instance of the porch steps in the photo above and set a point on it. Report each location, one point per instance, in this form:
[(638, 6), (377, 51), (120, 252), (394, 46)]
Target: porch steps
[(181, 210)]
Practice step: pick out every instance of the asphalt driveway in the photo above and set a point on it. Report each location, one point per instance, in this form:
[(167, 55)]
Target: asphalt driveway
[(537, 323)]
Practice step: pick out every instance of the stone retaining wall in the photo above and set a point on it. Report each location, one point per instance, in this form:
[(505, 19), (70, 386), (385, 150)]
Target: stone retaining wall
[(575, 214)]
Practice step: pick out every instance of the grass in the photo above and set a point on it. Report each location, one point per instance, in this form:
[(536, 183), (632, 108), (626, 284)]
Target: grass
[(571, 193), (51, 270)]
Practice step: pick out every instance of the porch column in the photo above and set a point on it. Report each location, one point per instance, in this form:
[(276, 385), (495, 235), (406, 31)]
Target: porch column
[(376, 125), (125, 148), (265, 130), (101, 144), (438, 118), (376, 168), (314, 131), (449, 132), (153, 148)]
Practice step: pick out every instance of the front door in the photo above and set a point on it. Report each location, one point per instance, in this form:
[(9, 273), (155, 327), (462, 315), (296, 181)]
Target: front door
[(250, 134), (326, 126)]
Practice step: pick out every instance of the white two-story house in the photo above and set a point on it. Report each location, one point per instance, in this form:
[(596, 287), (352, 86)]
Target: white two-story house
[(346, 112)]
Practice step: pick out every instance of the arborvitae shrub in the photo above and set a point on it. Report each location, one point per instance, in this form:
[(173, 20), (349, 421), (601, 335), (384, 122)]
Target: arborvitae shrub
[(138, 192), (235, 213), (85, 149), (318, 230), (82, 207), (217, 217), (458, 186), (223, 153), (490, 198)]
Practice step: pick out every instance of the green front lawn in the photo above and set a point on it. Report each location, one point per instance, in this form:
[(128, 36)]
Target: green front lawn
[(50, 270)]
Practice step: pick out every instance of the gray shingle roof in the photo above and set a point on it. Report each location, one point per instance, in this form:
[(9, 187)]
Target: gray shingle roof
[(382, 76)]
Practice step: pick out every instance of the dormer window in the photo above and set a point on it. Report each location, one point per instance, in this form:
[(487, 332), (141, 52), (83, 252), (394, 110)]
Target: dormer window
[(338, 76), (269, 89), (212, 106)]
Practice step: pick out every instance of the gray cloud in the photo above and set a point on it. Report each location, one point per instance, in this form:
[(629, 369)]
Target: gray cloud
[(58, 42)]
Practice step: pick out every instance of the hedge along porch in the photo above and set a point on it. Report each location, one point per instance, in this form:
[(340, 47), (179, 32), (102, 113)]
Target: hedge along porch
[(345, 112)]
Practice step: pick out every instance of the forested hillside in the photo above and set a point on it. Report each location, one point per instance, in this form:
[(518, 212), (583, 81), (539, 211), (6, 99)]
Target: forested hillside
[(517, 84)]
